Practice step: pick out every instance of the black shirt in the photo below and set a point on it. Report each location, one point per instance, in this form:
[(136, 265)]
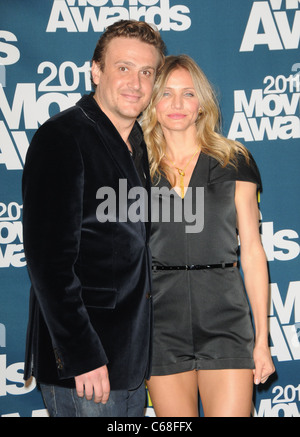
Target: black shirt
[(136, 139)]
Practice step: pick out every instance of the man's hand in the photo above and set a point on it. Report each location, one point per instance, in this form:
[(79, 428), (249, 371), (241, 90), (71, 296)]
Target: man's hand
[(94, 383)]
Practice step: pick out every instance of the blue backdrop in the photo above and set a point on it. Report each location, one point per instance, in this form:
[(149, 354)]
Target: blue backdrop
[(250, 52)]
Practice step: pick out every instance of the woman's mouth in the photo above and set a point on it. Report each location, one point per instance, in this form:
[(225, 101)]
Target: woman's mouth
[(176, 116)]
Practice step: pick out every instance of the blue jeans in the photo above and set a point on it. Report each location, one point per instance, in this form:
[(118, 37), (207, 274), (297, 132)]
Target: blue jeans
[(64, 402)]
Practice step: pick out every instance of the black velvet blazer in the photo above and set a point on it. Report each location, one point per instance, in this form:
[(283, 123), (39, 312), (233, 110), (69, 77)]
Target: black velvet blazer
[(90, 301)]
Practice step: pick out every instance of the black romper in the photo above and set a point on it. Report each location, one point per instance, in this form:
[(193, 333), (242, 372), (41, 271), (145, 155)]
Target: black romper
[(201, 317)]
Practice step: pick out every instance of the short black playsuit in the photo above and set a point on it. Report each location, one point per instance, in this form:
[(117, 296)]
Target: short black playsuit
[(201, 316)]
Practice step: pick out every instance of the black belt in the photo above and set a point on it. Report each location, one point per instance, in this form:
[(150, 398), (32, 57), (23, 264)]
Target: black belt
[(195, 267)]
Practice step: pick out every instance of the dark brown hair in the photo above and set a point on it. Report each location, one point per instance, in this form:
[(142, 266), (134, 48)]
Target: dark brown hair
[(128, 29)]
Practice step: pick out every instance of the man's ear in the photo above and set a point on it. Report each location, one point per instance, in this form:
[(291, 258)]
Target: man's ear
[(96, 72)]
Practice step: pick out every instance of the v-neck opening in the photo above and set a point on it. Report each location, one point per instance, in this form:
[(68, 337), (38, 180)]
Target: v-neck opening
[(191, 178)]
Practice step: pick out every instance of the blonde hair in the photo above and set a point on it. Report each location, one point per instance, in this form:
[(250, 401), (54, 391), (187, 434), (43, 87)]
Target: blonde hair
[(212, 142)]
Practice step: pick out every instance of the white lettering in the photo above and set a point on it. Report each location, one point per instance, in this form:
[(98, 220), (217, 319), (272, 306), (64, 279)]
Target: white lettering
[(9, 231), (281, 239), (13, 373), (60, 9), (8, 154), (279, 348), (289, 409), (284, 310), (13, 255), (35, 111), (2, 335), (12, 52), (289, 37), (24, 101), (260, 15), (277, 33), (278, 111), (65, 15), (292, 339)]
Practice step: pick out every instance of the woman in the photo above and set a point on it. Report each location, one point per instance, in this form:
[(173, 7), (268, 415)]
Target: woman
[(203, 334)]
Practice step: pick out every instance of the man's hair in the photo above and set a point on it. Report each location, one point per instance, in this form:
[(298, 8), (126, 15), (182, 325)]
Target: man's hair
[(128, 29)]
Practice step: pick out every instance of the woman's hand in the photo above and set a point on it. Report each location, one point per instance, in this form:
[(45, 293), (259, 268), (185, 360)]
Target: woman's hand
[(264, 366)]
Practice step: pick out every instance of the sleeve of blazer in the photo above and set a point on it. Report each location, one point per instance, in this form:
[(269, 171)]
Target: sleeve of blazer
[(53, 182)]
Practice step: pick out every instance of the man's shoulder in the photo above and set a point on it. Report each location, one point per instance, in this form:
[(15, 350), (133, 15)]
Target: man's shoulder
[(84, 107), (64, 123)]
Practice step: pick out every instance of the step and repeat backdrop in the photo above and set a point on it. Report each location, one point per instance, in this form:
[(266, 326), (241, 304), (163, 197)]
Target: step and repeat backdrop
[(250, 52)]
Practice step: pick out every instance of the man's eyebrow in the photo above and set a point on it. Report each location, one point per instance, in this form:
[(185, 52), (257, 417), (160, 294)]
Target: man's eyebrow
[(121, 61), (132, 64)]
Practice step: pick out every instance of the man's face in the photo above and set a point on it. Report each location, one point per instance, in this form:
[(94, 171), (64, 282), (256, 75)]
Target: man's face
[(125, 86)]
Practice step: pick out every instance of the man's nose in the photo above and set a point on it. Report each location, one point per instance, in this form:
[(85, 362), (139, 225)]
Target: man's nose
[(134, 80)]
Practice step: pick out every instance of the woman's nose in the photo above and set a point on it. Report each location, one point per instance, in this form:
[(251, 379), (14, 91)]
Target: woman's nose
[(177, 101)]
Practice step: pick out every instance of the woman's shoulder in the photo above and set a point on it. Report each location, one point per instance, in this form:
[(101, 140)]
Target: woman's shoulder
[(243, 168)]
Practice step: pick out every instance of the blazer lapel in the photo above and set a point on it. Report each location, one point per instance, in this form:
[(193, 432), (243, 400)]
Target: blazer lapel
[(111, 140), (118, 150), (146, 168)]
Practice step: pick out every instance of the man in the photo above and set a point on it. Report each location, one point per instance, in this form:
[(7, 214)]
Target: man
[(88, 339)]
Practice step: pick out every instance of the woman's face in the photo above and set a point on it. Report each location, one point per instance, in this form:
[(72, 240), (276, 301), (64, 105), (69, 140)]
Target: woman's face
[(179, 106)]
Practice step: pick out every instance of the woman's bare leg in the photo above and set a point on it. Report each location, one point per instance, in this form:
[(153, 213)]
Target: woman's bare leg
[(226, 392), (174, 395)]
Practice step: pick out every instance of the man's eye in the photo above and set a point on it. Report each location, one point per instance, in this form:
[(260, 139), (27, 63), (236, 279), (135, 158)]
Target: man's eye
[(123, 68)]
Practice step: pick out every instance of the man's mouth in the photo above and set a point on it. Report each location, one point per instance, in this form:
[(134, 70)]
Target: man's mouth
[(131, 97)]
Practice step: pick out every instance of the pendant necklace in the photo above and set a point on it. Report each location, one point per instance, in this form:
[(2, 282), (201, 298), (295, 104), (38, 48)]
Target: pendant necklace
[(181, 171)]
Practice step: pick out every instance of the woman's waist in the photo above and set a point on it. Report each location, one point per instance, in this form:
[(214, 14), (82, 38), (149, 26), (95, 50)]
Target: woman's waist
[(206, 266)]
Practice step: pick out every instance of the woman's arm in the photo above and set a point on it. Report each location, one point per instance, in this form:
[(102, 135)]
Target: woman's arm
[(254, 265)]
